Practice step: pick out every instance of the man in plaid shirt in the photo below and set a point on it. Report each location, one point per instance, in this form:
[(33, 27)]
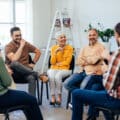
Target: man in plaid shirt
[(108, 98), (112, 79)]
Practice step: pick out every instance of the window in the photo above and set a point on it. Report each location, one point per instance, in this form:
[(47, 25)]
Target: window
[(15, 13)]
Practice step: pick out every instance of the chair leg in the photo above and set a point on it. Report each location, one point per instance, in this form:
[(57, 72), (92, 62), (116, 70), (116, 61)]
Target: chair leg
[(41, 92), (47, 92), (7, 116), (68, 99), (38, 93), (117, 117)]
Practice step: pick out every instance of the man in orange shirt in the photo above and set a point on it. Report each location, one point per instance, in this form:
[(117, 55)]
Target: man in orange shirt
[(61, 56)]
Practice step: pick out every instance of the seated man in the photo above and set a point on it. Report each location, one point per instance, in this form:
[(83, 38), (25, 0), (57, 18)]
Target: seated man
[(109, 98), (91, 60), (17, 58), (61, 56), (12, 98)]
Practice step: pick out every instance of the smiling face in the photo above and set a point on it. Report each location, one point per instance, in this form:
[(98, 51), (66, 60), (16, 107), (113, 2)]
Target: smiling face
[(92, 36), (61, 40), (16, 36)]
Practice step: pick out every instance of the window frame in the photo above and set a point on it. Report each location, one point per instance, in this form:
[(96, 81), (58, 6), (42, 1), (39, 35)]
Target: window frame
[(13, 21)]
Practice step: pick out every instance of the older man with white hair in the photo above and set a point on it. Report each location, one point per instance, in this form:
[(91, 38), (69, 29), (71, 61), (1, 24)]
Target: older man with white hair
[(61, 56)]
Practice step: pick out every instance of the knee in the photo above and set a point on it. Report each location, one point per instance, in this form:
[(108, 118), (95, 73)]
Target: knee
[(77, 93), (14, 64), (67, 84), (27, 98), (31, 79), (35, 75), (32, 100), (73, 94), (58, 78), (51, 77)]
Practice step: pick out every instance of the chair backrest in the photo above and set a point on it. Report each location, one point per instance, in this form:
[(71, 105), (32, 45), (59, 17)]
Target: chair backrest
[(6, 110), (72, 64)]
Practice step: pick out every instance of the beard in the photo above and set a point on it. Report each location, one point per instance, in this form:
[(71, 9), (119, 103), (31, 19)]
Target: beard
[(17, 41), (92, 42)]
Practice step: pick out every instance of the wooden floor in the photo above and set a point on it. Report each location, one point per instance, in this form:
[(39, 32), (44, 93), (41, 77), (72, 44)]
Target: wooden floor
[(49, 112)]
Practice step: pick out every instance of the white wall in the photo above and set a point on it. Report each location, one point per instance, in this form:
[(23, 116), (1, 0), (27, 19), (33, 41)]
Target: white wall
[(91, 11), (83, 12), (103, 11), (41, 21), (69, 4)]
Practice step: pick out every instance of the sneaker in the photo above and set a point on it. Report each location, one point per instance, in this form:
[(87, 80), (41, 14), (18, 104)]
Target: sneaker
[(70, 105)]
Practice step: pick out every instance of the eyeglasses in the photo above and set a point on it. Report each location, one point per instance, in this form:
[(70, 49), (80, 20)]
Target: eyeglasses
[(19, 35)]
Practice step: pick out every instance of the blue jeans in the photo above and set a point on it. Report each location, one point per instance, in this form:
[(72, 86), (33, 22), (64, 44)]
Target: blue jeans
[(94, 98), (83, 81), (15, 98), (76, 79), (23, 74)]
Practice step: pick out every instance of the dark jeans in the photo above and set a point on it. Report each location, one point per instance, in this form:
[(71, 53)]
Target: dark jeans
[(83, 81), (94, 98), (15, 98), (23, 74), (76, 79)]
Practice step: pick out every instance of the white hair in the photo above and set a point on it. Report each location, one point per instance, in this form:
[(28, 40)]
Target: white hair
[(59, 33)]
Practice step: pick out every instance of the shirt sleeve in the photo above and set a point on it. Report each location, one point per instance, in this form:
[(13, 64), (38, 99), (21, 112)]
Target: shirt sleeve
[(8, 49), (4, 76), (31, 47)]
